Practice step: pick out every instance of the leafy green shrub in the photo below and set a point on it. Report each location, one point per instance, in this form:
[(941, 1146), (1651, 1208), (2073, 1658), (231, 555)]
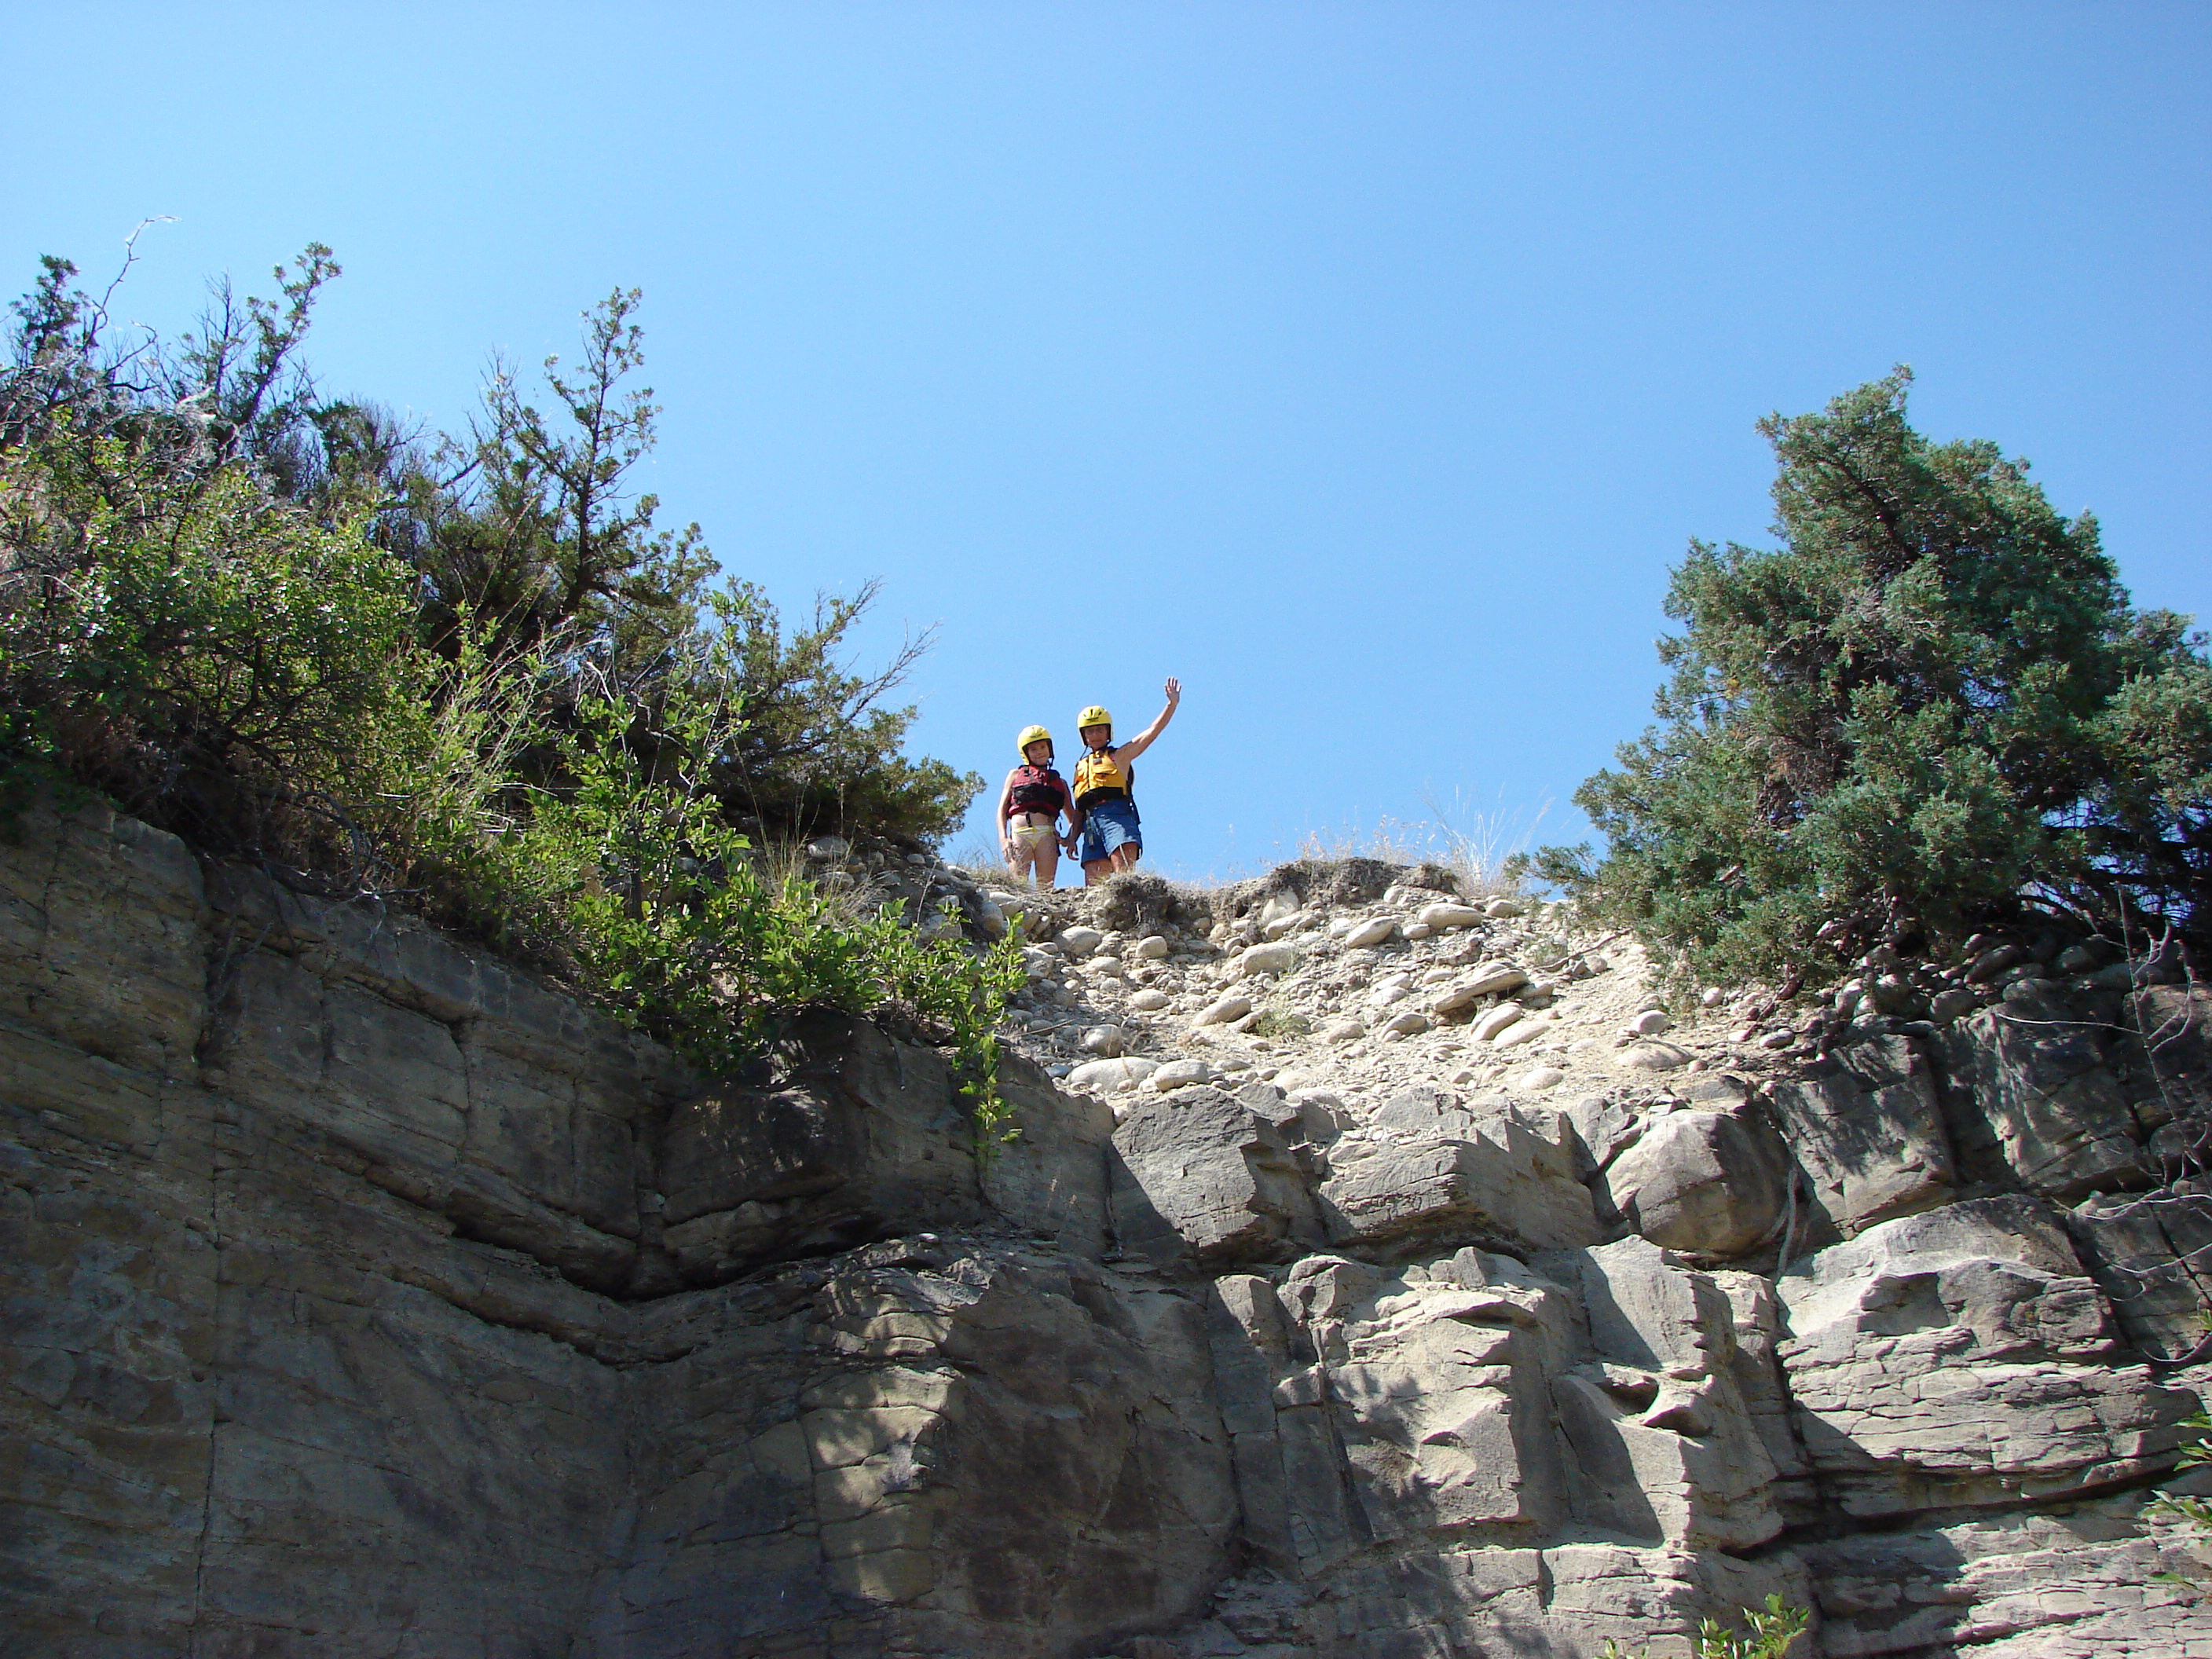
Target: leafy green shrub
[(252, 670), (1932, 705), (196, 654)]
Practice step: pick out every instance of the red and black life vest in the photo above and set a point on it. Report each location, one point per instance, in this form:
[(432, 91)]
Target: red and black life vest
[(1037, 789)]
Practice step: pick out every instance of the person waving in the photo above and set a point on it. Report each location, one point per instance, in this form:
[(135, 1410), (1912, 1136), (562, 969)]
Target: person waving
[(1106, 836)]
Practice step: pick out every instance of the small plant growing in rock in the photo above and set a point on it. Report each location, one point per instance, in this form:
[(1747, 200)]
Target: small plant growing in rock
[(2197, 1512), (1767, 1634)]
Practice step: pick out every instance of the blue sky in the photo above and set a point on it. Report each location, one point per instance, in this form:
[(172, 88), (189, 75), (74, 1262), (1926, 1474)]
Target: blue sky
[(1366, 366)]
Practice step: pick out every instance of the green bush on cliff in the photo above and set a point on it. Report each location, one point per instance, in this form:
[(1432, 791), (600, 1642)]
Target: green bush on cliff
[(1930, 708), (204, 618)]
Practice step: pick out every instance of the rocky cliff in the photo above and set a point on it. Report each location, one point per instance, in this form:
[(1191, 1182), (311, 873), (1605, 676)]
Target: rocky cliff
[(365, 1297)]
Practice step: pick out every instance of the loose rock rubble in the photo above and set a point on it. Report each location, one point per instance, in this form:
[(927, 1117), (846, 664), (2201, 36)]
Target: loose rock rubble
[(1381, 1270)]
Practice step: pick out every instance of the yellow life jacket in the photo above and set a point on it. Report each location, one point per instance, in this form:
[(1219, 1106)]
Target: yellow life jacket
[(1099, 777)]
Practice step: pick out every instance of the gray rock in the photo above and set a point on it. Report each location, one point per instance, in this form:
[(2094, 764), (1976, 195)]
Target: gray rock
[(1506, 1184), (521, 1340), (1534, 1028), (1180, 1074), (1866, 1126), (1080, 941), (1493, 979), (1712, 1182), (2032, 1101), (1202, 1176), (1223, 1010), (1109, 1074), (1441, 916), (1376, 930), (1913, 1339), (1104, 1041), (1660, 1428), (1266, 959), (2077, 1585), (1497, 1020), (2145, 1251)]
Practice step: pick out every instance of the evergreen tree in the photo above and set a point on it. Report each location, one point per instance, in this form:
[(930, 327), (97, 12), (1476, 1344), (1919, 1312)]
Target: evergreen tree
[(1930, 706)]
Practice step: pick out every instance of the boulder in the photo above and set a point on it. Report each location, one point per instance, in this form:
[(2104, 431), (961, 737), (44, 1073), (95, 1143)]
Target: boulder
[(1534, 1028), (1498, 1019), (1080, 941), (1376, 930), (1440, 916), (1712, 1183), (1149, 1000), (1224, 1010), (1654, 1057), (1110, 1074), (1266, 959), (1494, 979), (1180, 1074)]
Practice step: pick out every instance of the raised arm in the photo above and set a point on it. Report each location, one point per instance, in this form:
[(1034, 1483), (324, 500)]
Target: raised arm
[(1144, 739)]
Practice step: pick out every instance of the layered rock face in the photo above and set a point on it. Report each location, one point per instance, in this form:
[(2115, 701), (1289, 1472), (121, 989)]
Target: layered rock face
[(364, 1297)]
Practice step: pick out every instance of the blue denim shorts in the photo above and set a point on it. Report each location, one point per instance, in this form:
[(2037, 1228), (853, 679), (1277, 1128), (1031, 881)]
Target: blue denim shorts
[(1109, 825)]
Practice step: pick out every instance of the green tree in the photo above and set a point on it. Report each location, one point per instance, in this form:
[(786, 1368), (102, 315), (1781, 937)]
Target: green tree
[(1930, 706)]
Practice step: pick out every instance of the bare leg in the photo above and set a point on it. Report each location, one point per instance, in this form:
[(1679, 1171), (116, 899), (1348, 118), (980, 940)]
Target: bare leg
[(1127, 855), (1096, 871)]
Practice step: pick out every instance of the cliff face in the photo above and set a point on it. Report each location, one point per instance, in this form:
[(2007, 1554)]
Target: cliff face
[(362, 1296)]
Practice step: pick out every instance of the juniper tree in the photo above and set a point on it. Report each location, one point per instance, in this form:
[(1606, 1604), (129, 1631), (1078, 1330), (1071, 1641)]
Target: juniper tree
[(1930, 706)]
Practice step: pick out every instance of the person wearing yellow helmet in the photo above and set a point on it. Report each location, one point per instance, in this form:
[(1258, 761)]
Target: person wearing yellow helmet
[(1029, 806), (1111, 838)]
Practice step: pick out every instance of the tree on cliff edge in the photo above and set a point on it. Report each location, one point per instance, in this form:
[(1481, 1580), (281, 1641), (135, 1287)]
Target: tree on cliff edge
[(1931, 707)]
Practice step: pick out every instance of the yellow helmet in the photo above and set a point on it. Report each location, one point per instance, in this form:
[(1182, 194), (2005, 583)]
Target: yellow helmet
[(1093, 715), (1031, 734)]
